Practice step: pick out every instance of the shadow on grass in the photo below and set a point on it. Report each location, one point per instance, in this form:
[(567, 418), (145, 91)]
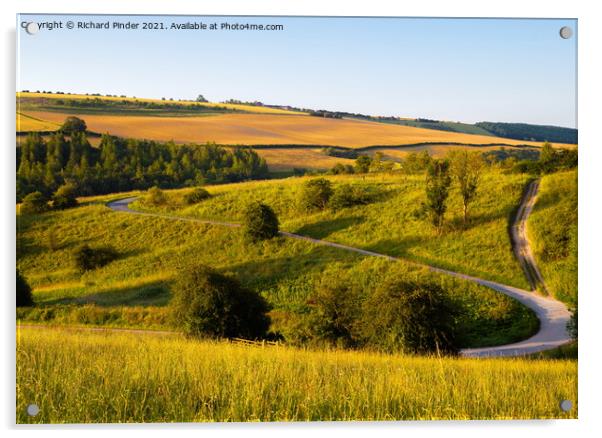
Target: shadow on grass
[(323, 229), (148, 294)]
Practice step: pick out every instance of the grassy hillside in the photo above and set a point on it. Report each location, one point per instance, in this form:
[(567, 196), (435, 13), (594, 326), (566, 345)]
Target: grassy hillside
[(113, 378), (133, 290), (267, 129), (395, 224), (552, 229)]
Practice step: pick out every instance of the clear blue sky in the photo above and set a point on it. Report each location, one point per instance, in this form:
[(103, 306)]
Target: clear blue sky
[(452, 69)]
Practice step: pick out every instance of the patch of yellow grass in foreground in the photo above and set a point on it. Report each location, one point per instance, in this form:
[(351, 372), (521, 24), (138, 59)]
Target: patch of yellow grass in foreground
[(268, 129), (78, 376), (249, 108)]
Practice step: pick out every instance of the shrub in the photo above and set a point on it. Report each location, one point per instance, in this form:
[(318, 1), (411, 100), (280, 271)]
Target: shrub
[(155, 196), (65, 197), (24, 296), (411, 317), (362, 164), (315, 194), (259, 222), (34, 203), (197, 195), (348, 195), (572, 325), (87, 258), (335, 309), (208, 304), (73, 125)]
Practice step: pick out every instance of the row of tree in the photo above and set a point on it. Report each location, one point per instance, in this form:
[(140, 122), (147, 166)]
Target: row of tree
[(119, 165)]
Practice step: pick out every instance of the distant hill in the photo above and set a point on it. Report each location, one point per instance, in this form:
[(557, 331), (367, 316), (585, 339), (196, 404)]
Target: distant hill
[(524, 131)]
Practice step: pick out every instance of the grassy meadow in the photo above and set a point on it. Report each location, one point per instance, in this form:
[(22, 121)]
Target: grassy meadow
[(133, 291), (124, 377), (394, 224), (552, 229)]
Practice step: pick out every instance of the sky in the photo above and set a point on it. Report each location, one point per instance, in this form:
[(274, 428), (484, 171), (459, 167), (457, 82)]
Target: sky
[(469, 70)]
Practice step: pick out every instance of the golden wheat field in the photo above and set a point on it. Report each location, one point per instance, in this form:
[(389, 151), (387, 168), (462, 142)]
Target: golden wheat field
[(268, 129), (282, 159), (83, 376), (240, 107), (28, 123)]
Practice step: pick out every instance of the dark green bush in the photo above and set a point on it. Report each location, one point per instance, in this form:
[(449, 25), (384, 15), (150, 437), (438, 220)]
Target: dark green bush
[(195, 196), (65, 197), (24, 296), (348, 195), (315, 194), (34, 203), (87, 258), (411, 317), (208, 304), (73, 125), (573, 325), (259, 222)]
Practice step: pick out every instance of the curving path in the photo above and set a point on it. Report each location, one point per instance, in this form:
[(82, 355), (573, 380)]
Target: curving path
[(553, 315)]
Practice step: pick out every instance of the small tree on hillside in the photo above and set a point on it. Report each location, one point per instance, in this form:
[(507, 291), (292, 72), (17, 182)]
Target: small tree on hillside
[(437, 191), (65, 197), (208, 304), (411, 317), (71, 125), (24, 296), (259, 222), (362, 164), (466, 167), (201, 98), (315, 194), (34, 203)]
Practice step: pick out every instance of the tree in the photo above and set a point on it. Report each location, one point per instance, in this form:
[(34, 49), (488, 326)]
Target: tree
[(315, 194), (362, 164), (547, 158), (466, 167), (411, 317), (259, 222), (208, 304), (34, 203), (335, 309), (201, 98), (437, 191), (73, 125), (65, 197), (24, 296)]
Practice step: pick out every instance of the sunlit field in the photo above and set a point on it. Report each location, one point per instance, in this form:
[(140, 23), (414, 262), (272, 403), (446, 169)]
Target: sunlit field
[(124, 377), (268, 129)]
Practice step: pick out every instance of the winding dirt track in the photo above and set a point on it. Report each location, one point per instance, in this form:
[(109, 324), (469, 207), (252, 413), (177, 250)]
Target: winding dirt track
[(553, 315)]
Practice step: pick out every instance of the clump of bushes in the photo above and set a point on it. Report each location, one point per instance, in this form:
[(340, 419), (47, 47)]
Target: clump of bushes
[(259, 222), (65, 197), (34, 203), (349, 195), (195, 196), (155, 196), (88, 258), (24, 296), (315, 194), (208, 304)]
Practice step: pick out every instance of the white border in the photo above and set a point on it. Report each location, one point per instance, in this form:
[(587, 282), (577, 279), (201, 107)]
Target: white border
[(589, 183)]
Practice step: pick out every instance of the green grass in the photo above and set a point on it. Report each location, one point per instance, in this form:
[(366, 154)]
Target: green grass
[(133, 290), (81, 377), (394, 224), (552, 229)]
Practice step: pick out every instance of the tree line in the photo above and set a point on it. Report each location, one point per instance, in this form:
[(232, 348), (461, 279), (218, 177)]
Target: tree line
[(119, 164)]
